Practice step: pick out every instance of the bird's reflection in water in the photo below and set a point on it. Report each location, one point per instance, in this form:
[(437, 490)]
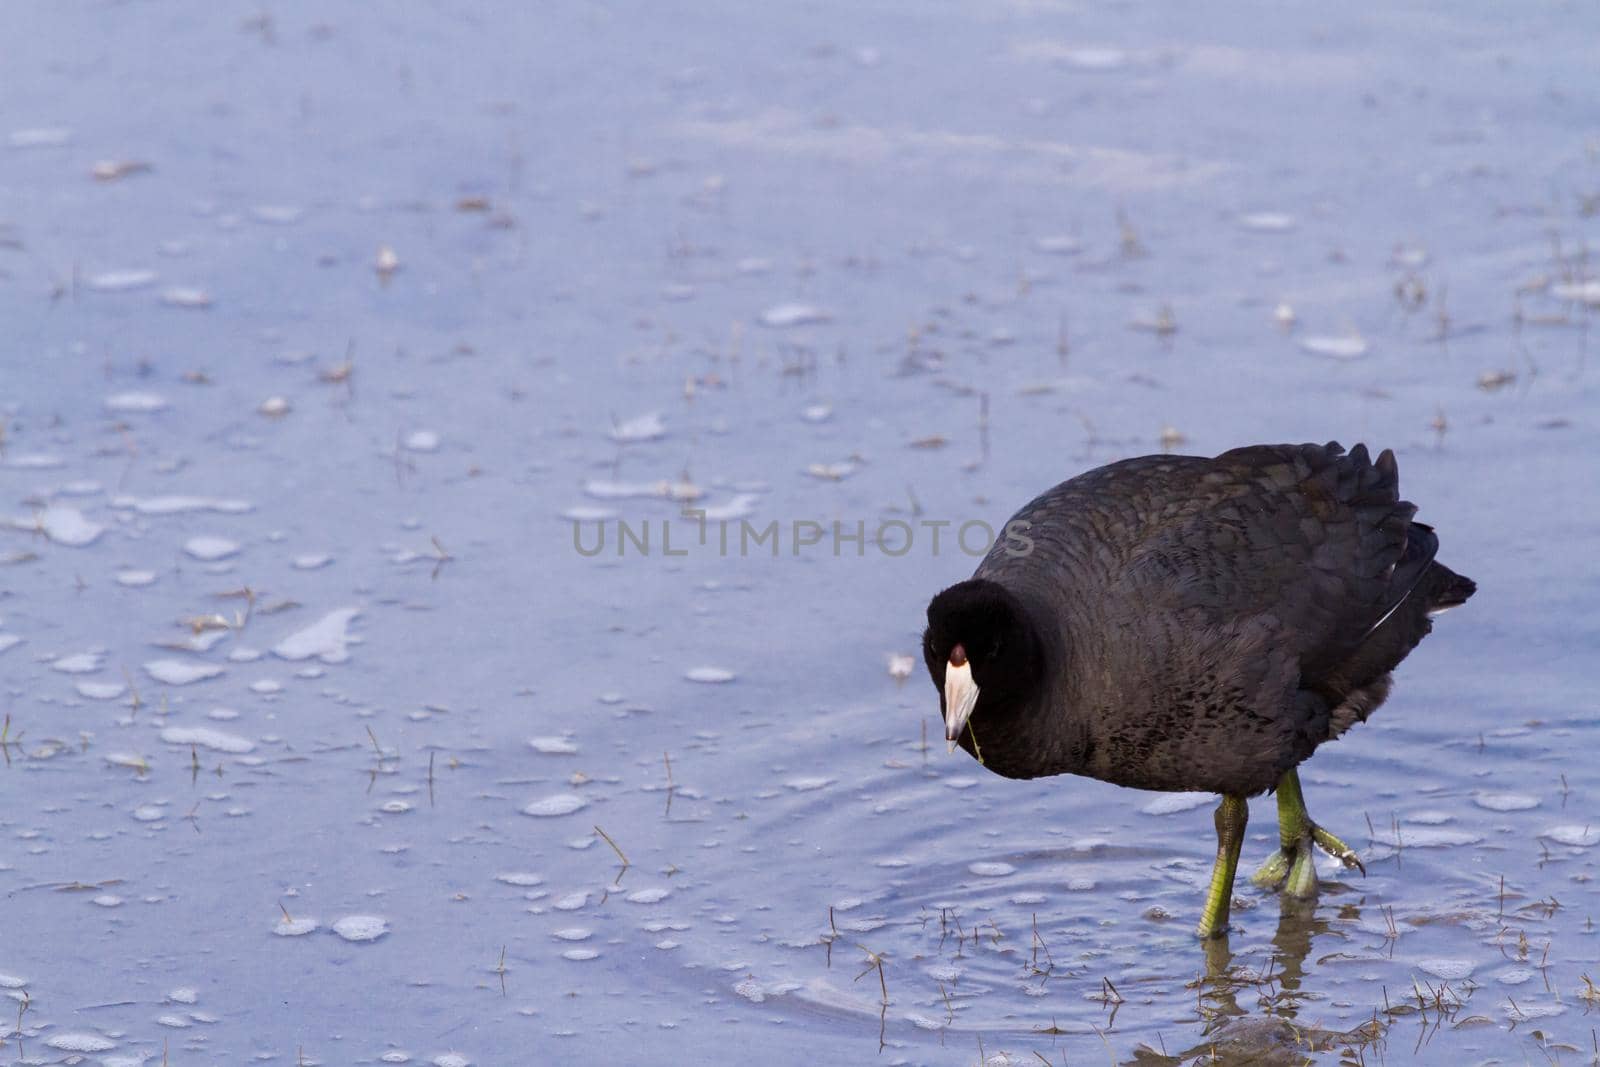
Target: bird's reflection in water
[(1249, 1003)]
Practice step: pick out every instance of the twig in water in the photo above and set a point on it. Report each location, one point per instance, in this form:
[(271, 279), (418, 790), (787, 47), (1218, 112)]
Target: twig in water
[(620, 855)]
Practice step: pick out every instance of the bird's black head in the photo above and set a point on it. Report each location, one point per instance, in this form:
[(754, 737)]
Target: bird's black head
[(982, 651)]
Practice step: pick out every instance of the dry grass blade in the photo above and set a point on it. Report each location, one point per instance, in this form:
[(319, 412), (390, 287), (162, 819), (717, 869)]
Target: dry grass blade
[(626, 863)]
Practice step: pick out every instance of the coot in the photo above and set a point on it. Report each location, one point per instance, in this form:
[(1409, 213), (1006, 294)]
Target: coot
[(1185, 623)]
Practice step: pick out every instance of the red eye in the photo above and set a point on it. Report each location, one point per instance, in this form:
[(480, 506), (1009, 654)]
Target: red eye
[(958, 656)]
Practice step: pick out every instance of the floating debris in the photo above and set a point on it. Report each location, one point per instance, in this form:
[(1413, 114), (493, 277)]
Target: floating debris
[(274, 407), (709, 675), (1491, 381), (110, 170), (1163, 323)]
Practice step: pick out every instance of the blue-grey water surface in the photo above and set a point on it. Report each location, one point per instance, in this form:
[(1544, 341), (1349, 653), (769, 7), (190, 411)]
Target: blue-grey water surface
[(324, 325)]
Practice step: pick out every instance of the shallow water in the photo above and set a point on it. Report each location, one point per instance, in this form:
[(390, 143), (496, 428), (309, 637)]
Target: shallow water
[(327, 740)]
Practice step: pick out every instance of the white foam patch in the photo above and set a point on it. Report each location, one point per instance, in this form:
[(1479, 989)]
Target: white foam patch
[(1574, 836), (135, 403), (525, 879), (207, 737), (210, 549), (135, 579), (62, 524), (552, 746), (991, 870), (1349, 346), (559, 804), (652, 895), (1172, 803), (422, 441), (81, 663), (709, 675), (178, 505), (361, 927), (121, 281), (781, 316), (327, 639), (1505, 801), (295, 927), (101, 690), (78, 1041), (180, 672), (647, 427)]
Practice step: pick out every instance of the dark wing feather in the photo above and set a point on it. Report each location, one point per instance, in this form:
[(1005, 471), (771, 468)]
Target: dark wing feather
[(1306, 538)]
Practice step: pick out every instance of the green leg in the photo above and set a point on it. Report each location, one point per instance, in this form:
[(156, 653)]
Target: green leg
[(1231, 816), (1292, 865)]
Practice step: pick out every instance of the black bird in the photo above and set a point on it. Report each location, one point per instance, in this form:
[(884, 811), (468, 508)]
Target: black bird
[(1185, 623)]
